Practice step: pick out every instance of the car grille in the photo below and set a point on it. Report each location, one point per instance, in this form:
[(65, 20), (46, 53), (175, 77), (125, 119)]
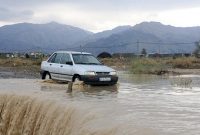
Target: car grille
[(102, 73)]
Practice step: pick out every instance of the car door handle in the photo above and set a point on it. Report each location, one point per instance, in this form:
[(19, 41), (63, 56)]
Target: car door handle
[(61, 66)]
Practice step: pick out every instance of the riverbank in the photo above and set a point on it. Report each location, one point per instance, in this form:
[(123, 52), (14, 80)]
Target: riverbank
[(19, 68), (30, 68), (156, 66), (18, 72), (160, 66)]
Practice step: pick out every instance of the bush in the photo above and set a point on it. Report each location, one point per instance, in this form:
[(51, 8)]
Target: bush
[(184, 62), (148, 66)]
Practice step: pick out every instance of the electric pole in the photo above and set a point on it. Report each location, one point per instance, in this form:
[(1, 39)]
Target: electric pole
[(81, 48), (138, 48)]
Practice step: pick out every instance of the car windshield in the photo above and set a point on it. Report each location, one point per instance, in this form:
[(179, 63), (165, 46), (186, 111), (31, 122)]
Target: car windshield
[(85, 59)]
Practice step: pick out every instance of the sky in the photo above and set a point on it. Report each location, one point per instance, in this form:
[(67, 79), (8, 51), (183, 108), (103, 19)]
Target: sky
[(99, 15)]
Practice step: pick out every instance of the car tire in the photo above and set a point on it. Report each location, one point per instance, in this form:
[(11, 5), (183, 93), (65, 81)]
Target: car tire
[(76, 78), (45, 74)]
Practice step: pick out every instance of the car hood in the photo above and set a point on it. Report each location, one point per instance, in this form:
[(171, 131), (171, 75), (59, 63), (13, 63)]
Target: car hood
[(95, 68)]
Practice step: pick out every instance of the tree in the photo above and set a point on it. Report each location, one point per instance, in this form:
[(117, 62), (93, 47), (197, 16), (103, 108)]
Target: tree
[(104, 55), (144, 52), (27, 56), (197, 49)]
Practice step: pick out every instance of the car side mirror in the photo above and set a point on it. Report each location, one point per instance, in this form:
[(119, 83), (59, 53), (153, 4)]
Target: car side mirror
[(69, 63)]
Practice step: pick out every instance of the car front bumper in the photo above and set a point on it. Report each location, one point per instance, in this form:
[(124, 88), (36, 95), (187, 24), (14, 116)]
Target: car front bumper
[(99, 79)]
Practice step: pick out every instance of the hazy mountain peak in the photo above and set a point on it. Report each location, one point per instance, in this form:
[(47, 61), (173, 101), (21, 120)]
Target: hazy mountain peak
[(108, 33), (53, 22), (150, 24), (121, 28)]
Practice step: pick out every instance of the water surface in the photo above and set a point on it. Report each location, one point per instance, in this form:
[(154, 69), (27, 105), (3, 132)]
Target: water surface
[(141, 105)]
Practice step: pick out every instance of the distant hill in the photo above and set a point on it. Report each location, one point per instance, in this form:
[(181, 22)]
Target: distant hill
[(123, 42), (39, 37), (153, 36), (103, 35), (108, 33), (169, 33)]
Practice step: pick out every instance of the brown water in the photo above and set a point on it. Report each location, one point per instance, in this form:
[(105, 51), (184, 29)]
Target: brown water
[(141, 105)]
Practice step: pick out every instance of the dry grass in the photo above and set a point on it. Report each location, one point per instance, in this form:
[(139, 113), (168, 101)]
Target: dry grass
[(135, 65), (116, 62), (184, 63), (181, 82), (162, 65), (22, 63), (153, 65)]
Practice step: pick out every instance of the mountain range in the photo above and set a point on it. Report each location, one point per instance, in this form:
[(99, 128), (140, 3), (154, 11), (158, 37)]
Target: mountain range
[(39, 37), (153, 36)]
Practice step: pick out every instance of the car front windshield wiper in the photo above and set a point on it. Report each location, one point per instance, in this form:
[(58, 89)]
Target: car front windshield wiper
[(94, 63), (89, 63), (81, 63)]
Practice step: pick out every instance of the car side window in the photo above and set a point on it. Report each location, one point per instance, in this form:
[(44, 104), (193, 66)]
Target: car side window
[(57, 58), (65, 58), (52, 58)]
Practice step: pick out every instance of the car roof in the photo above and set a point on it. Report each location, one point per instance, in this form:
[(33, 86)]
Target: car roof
[(72, 52)]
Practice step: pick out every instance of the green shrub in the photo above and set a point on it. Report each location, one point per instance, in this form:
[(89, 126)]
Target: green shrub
[(148, 66)]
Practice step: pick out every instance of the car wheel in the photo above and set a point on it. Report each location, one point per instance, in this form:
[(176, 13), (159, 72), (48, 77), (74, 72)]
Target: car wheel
[(77, 79), (46, 75)]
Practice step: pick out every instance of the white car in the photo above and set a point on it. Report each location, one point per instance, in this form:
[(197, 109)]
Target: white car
[(78, 66)]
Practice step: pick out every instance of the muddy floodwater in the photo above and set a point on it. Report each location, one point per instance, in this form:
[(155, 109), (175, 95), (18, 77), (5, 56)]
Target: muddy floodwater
[(138, 105)]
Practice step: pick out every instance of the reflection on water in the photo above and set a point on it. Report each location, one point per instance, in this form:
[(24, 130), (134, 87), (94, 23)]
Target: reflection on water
[(80, 88), (141, 105)]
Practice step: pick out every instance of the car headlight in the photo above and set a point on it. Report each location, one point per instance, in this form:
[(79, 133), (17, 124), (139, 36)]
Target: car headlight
[(90, 73), (113, 73)]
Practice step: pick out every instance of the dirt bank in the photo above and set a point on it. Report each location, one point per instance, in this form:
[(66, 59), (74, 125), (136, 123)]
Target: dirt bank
[(18, 72), (178, 71)]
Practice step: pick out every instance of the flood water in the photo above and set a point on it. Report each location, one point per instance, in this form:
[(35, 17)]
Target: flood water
[(139, 105)]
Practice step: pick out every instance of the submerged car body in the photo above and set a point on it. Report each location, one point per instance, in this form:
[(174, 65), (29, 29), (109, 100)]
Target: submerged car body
[(72, 66)]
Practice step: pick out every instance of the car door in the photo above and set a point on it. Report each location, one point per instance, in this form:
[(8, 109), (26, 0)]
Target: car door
[(47, 65), (54, 66), (66, 66)]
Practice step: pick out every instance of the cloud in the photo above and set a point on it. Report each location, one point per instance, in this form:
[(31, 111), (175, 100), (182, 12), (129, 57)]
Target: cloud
[(14, 15), (98, 15), (181, 17), (107, 4)]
